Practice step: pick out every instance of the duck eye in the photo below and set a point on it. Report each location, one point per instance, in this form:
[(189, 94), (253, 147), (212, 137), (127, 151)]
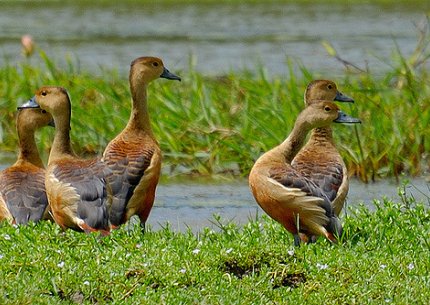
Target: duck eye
[(330, 87), (327, 108), (44, 93), (43, 111), (155, 64)]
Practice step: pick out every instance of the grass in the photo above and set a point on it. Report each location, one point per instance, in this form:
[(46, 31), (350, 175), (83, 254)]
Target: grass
[(217, 2), (220, 125), (383, 258)]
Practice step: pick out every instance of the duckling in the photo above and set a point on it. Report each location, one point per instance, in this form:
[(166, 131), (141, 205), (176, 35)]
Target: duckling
[(75, 187), (134, 155), (22, 186), (284, 193), (319, 160)]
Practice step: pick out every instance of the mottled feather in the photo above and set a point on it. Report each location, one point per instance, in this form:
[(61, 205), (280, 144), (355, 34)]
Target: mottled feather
[(87, 197), (128, 161), (23, 190), (320, 162)]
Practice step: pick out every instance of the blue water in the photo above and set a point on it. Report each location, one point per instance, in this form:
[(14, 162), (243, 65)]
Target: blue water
[(217, 37), (191, 205)]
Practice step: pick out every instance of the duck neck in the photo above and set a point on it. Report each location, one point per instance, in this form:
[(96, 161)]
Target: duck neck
[(322, 134), (139, 118), (292, 145), (61, 146), (287, 150), (28, 149)]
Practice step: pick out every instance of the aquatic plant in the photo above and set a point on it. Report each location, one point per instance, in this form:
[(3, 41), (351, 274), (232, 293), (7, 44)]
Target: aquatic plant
[(220, 125)]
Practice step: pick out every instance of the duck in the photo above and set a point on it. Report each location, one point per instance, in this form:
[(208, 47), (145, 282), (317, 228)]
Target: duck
[(134, 155), (22, 185), (75, 187), (286, 195), (319, 159)]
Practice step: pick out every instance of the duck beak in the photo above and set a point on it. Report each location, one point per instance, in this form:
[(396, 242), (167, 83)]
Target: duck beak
[(340, 97), (344, 118), (31, 103), (169, 75)]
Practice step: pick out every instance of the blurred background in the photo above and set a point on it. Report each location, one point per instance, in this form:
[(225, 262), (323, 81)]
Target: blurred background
[(244, 66), (215, 36)]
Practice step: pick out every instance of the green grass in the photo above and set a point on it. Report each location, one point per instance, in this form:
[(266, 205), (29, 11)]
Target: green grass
[(383, 258), (220, 125)]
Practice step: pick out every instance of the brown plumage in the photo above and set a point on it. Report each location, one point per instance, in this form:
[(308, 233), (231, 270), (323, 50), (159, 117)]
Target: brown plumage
[(75, 187), (5, 215), (134, 155), (22, 186), (319, 160), (284, 193)]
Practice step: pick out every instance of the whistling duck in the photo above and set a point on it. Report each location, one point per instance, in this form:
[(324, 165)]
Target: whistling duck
[(284, 193), (319, 160), (22, 186), (134, 155), (75, 187)]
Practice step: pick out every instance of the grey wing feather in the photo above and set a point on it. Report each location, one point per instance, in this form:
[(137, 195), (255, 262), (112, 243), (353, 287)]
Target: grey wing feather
[(89, 183), (292, 179), (127, 173), (26, 199)]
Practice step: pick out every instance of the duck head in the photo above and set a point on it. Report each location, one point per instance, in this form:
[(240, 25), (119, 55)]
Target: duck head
[(146, 69), (322, 114), (326, 90), (54, 100), (31, 119)]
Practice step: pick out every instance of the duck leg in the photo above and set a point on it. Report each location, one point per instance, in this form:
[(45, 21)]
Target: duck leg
[(143, 227), (297, 240)]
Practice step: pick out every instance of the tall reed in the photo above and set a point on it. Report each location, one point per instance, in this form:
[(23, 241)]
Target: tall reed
[(220, 125)]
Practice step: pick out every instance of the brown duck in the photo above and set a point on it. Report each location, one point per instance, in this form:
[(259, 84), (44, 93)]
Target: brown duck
[(284, 193), (22, 186), (319, 160), (75, 187), (134, 155)]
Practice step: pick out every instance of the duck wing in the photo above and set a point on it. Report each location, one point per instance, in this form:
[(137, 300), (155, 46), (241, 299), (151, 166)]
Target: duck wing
[(23, 191), (134, 165), (86, 179), (304, 199), (328, 176)]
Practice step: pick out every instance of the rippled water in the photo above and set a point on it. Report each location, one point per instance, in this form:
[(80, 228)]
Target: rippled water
[(220, 36), (193, 205)]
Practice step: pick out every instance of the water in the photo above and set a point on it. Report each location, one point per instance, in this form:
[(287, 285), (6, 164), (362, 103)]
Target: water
[(191, 205), (221, 37)]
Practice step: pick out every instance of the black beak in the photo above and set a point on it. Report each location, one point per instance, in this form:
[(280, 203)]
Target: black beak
[(31, 103), (344, 118), (340, 97), (169, 75)]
